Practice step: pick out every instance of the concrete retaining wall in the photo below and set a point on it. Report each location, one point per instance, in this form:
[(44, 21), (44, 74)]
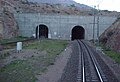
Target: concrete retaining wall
[(60, 26)]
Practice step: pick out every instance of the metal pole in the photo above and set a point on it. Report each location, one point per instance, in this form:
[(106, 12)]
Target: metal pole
[(38, 32), (98, 18), (94, 26)]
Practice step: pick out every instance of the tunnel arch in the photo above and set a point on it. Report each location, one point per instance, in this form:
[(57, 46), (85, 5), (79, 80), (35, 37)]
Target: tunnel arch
[(41, 31), (78, 32)]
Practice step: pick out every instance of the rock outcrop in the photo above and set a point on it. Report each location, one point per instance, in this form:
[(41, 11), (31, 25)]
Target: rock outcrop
[(8, 25), (1, 27), (1, 23), (111, 37)]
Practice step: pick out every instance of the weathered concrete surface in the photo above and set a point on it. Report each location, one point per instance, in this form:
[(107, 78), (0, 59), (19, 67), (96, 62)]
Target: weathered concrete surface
[(60, 26)]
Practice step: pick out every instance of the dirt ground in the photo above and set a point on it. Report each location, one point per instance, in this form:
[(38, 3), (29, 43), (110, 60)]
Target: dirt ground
[(14, 55), (53, 72)]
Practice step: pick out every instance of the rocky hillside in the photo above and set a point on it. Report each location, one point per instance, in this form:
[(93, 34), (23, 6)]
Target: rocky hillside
[(64, 2), (54, 1), (111, 37), (52, 7), (1, 21), (8, 25), (62, 7), (56, 7)]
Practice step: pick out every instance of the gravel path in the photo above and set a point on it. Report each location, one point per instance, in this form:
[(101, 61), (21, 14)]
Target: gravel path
[(71, 70), (114, 67), (113, 71), (54, 72)]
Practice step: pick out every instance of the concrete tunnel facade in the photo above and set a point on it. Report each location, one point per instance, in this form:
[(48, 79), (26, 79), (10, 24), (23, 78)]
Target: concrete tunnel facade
[(60, 26)]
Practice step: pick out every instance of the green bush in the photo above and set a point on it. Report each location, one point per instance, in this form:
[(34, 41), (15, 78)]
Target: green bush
[(113, 55)]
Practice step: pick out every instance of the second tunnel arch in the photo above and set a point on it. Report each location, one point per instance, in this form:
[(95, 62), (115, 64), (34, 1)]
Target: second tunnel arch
[(41, 31), (78, 32)]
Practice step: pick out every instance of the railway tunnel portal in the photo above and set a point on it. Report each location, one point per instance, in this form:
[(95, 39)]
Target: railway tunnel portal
[(78, 32), (66, 27), (41, 31)]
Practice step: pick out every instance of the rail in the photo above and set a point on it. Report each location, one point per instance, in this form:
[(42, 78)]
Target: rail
[(83, 76)]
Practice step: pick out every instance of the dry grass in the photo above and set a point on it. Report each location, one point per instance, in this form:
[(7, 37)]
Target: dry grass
[(24, 70)]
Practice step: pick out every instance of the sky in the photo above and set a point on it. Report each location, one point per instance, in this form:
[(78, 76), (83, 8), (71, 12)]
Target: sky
[(111, 5)]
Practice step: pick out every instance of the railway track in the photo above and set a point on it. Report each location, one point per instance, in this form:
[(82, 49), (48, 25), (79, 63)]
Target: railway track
[(88, 70), (13, 43), (86, 65)]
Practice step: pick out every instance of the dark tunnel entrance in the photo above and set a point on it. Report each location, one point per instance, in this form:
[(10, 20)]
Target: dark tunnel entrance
[(78, 32), (42, 31)]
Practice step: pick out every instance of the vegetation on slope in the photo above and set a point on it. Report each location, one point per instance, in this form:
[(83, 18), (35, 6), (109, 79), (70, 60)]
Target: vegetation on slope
[(112, 54)]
